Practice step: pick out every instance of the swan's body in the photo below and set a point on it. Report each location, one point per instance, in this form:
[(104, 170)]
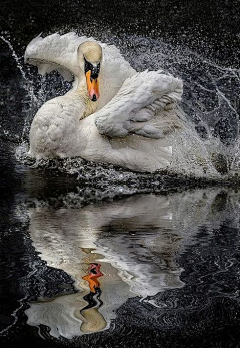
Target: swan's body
[(130, 125)]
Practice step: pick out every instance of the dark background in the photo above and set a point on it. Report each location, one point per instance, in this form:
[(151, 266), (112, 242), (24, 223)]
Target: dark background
[(205, 25)]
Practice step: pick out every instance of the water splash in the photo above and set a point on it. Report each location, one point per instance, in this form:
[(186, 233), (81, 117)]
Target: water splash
[(16, 58), (36, 92), (32, 101), (210, 102)]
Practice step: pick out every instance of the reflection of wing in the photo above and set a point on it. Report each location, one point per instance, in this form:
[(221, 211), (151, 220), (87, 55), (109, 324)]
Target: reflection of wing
[(137, 107), (135, 239)]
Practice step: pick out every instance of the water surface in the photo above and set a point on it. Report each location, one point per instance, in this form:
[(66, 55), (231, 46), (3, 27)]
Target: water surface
[(80, 268)]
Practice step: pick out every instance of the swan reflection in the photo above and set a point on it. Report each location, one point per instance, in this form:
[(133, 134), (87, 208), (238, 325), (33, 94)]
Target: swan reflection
[(115, 251)]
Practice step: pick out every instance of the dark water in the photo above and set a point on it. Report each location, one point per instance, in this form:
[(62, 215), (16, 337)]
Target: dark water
[(169, 264), (99, 257)]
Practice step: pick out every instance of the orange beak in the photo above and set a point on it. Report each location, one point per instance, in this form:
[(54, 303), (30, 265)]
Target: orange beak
[(92, 86)]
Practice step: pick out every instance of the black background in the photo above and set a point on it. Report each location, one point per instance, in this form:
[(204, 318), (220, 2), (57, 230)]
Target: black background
[(198, 23)]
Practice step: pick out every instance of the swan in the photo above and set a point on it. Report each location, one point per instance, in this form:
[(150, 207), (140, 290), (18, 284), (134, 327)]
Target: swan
[(112, 114)]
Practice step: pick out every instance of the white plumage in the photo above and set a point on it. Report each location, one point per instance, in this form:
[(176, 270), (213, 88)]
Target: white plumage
[(133, 124), (133, 108)]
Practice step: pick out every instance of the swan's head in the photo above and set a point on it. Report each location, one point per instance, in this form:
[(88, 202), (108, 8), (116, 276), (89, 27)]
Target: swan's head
[(90, 59)]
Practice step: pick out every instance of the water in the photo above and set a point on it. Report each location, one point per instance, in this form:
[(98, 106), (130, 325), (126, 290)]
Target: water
[(136, 240), (97, 256), (165, 266)]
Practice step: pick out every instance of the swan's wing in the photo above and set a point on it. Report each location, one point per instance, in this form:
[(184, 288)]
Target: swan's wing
[(59, 52), (55, 52), (140, 106)]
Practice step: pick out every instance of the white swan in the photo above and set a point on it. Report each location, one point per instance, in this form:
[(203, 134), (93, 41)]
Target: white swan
[(112, 114)]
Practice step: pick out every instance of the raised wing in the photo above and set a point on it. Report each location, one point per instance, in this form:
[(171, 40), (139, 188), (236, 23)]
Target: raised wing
[(59, 52), (141, 105), (55, 52)]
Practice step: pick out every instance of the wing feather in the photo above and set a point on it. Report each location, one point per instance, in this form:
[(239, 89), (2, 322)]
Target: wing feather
[(55, 52), (59, 52), (137, 106)]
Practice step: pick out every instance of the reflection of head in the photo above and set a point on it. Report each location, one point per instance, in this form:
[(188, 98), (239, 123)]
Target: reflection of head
[(136, 240), (93, 321), (71, 315)]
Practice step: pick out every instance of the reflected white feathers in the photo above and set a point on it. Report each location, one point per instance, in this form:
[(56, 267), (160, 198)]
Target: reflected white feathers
[(135, 240)]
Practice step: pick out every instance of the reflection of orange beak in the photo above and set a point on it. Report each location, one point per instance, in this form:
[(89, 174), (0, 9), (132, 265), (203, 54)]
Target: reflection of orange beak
[(93, 273), (92, 87)]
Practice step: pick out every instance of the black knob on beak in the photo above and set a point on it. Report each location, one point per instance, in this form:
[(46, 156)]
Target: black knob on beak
[(95, 71)]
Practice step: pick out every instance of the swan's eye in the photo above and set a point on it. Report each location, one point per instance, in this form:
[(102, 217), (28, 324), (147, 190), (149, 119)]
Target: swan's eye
[(88, 66), (94, 69)]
